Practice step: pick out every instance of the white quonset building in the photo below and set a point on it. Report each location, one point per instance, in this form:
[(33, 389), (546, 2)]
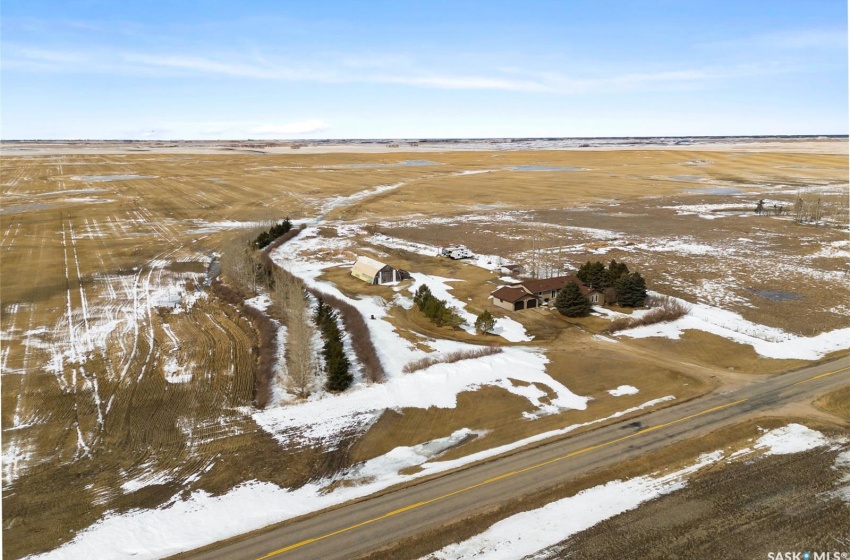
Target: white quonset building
[(375, 272)]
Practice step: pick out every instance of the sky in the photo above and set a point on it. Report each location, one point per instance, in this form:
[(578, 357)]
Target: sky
[(216, 69)]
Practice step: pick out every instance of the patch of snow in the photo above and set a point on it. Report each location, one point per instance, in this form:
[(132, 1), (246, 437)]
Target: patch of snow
[(202, 226), (769, 342), (623, 390), (175, 373), (842, 463), (487, 262), (201, 519), (506, 327), (712, 211), (528, 532), (793, 438), (339, 201), (148, 478), (532, 531), (511, 330), (260, 302), (437, 386), (439, 466), (474, 171)]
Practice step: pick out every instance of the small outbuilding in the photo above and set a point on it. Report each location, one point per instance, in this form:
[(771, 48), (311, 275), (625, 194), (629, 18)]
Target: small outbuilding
[(375, 272), (511, 269), (595, 296)]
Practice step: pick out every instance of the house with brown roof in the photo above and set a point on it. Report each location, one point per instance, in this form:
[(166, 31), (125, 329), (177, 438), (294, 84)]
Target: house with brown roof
[(546, 289), (536, 292)]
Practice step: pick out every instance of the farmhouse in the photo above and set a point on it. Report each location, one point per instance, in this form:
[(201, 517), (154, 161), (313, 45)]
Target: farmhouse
[(375, 272), (547, 289), (534, 293)]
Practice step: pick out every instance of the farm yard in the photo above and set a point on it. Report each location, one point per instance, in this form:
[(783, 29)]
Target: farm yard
[(129, 384)]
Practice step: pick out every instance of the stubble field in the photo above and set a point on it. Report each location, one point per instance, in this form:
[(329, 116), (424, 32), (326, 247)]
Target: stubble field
[(126, 383)]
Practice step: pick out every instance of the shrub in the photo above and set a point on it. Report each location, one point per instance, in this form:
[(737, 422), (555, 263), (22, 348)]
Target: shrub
[(451, 358), (485, 322), (664, 309)]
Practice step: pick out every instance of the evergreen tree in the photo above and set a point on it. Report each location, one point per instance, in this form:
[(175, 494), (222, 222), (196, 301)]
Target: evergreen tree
[(422, 295), (571, 302), (322, 312), (448, 317), (266, 237), (616, 270), (485, 322), (631, 290), (583, 273), (336, 362), (594, 274)]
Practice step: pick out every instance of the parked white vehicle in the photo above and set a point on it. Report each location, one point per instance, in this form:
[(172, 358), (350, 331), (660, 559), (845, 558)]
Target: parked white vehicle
[(459, 252)]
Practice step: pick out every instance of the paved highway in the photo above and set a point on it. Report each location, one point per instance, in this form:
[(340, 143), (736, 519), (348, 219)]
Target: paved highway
[(366, 525)]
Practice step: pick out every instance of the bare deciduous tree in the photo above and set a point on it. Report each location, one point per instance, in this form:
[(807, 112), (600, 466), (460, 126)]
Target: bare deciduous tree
[(289, 295), (239, 264)]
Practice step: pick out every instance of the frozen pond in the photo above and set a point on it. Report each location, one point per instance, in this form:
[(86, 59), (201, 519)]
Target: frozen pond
[(111, 177), (776, 295), (545, 168), (405, 163), (687, 177), (717, 190)]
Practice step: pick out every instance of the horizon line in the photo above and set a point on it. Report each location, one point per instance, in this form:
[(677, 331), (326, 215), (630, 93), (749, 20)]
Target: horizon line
[(428, 139)]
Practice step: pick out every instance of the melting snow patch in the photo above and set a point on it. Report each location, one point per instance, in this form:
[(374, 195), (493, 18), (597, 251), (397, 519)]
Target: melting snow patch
[(531, 531), (623, 390), (201, 519), (506, 327), (324, 419), (175, 373), (793, 438), (769, 342)]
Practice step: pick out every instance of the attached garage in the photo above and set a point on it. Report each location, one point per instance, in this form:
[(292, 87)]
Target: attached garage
[(513, 298)]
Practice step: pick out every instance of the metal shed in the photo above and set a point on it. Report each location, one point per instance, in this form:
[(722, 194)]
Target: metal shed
[(375, 272)]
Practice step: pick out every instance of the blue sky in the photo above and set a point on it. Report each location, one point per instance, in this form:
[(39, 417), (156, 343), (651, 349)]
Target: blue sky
[(377, 69)]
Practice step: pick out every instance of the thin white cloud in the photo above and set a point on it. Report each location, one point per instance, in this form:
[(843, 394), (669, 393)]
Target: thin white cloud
[(339, 69)]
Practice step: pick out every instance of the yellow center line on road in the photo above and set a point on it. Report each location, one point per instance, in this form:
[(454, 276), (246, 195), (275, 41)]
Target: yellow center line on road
[(827, 374), (497, 478)]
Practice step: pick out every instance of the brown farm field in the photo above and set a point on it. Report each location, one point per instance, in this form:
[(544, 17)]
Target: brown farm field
[(127, 382)]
